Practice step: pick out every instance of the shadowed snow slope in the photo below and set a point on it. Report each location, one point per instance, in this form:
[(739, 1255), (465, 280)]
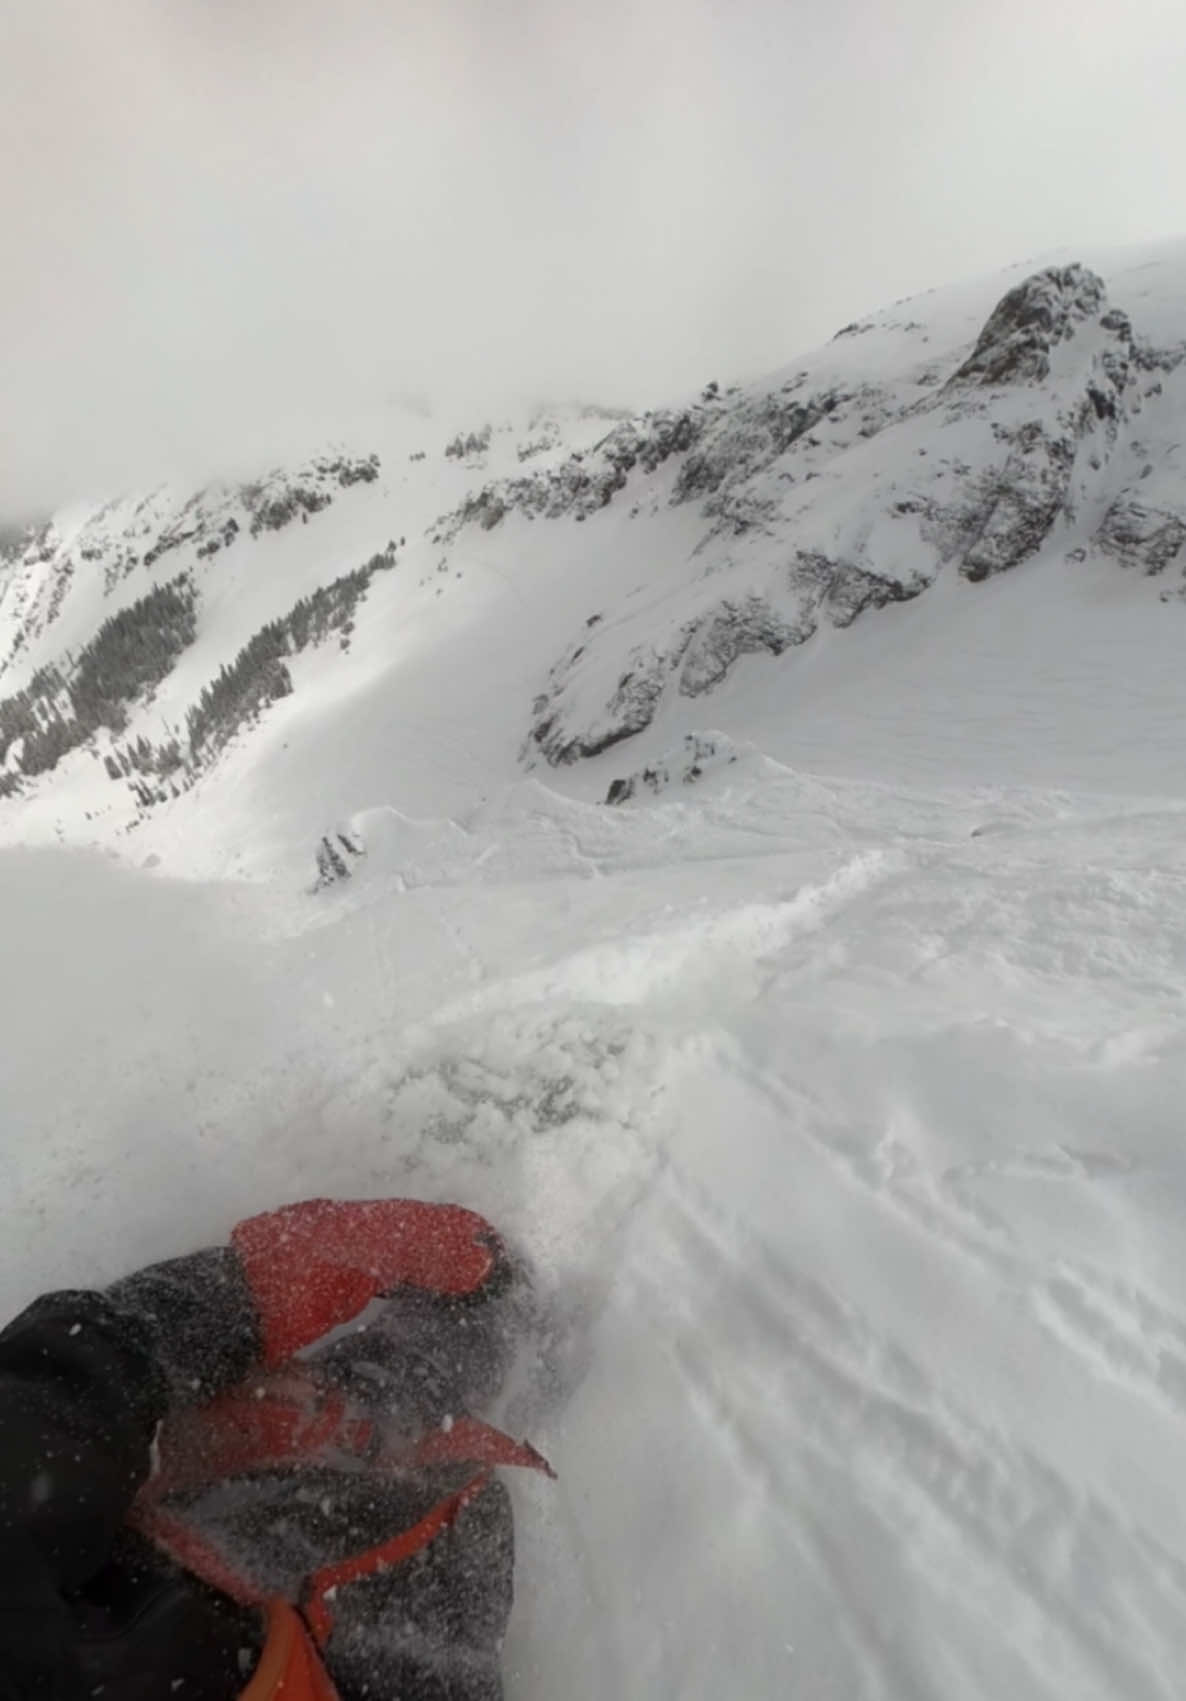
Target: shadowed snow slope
[(830, 1081)]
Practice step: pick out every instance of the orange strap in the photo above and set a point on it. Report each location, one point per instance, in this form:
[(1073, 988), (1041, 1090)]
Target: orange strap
[(289, 1668), (324, 1584), (285, 1419), (467, 1441), (270, 1420)]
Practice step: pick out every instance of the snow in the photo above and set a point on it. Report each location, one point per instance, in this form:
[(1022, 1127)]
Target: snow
[(841, 1124), (834, 1097)]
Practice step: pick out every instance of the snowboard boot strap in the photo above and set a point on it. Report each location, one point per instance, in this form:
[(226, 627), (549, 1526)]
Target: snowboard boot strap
[(289, 1419), (289, 1668)]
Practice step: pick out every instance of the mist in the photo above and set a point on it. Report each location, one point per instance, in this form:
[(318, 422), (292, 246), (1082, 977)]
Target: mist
[(227, 226)]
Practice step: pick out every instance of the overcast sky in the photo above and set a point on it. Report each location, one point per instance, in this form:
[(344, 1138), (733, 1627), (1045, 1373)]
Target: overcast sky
[(221, 219)]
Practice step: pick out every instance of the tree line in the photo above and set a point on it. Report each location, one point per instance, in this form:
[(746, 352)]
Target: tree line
[(64, 705)]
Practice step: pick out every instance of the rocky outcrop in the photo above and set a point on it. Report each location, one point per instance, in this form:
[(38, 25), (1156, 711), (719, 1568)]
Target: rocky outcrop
[(978, 473), (588, 480), (280, 499), (851, 590), (214, 519), (1016, 505), (699, 753), (1026, 325), (701, 654), (630, 707), (909, 447), (733, 629), (1141, 536), (1009, 509), (748, 438)]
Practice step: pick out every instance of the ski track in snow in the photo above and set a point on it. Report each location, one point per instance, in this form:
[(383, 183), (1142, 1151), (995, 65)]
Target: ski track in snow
[(843, 1144)]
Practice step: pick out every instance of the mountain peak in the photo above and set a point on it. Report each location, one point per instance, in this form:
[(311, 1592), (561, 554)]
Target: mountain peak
[(1029, 320), (625, 566)]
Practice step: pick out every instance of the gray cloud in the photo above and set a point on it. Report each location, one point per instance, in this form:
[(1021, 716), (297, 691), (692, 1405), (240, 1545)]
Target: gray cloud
[(225, 221)]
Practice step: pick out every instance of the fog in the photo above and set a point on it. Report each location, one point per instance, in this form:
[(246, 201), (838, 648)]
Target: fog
[(228, 224)]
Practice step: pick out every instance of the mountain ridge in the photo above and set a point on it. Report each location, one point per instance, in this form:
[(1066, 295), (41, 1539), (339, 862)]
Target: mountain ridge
[(932, 438)]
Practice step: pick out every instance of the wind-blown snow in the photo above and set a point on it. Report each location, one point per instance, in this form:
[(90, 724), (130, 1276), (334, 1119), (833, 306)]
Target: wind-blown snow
[(834, 1094)]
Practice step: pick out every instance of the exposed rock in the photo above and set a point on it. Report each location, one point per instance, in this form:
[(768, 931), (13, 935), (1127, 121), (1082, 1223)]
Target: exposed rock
[(807, 501), (854, 589), (1010, 510), (698, 753), (1141, 536), (700, 655), (1014, 346), (487, 508), (734, 629), (747, 439), (630, 707), (1020, 502), (267, 505), (588, 480)]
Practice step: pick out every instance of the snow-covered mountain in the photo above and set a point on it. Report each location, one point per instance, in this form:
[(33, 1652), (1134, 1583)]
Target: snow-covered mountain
[(629, 565), (740, 849)]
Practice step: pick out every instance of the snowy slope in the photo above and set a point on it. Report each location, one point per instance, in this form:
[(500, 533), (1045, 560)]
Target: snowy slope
[(830, 1079), (559, 584), (841, 1125)]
